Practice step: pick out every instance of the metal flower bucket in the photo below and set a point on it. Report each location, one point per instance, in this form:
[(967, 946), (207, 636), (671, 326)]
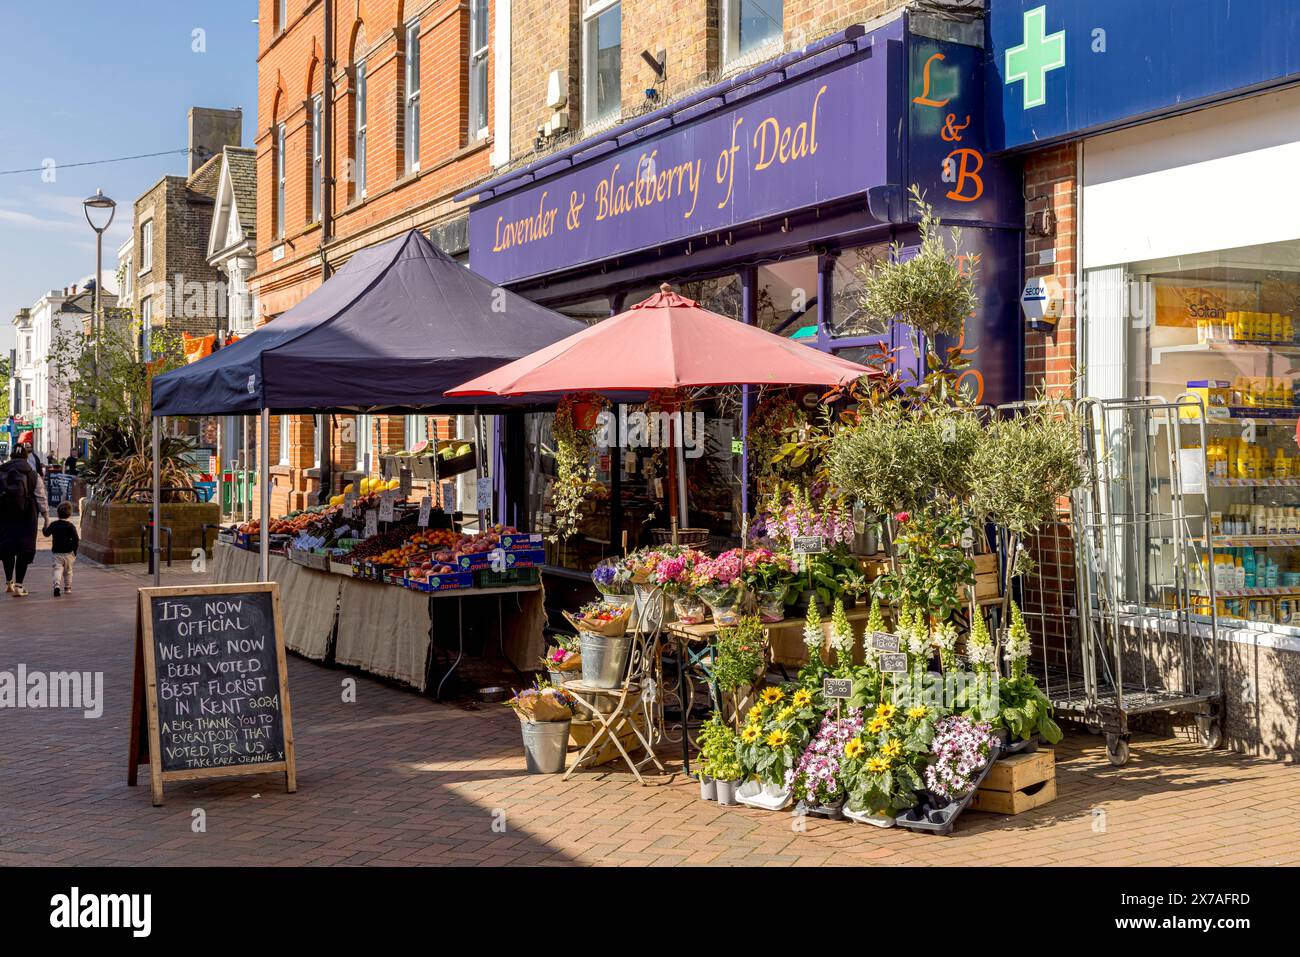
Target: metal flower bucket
[(546, 745), (604, 659)]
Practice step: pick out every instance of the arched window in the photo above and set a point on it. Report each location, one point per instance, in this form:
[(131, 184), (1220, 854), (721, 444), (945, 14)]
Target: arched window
[(314, 143)]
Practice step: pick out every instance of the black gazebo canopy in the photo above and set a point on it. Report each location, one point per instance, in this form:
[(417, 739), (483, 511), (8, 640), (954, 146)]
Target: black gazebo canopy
[(391, 331)]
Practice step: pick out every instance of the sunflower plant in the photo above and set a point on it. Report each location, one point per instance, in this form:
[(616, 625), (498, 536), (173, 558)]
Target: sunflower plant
[(777, 729), (882, 766)]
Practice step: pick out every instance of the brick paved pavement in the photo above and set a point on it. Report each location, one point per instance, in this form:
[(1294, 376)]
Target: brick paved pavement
[(398, 779)]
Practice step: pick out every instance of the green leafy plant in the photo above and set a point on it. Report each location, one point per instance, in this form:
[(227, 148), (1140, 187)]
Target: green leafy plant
[(575, 477), (104, 382), (931, 291), (739, 654), (718, 744), (932, 569), (904, 457)]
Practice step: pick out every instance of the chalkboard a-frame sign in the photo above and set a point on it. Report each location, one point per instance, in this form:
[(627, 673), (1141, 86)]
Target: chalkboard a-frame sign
[(211, 696)]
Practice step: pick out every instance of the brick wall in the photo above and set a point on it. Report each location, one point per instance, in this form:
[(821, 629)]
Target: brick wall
[(547, 35), (184, 290), (1050, 180), (290, 72), (544, 36)]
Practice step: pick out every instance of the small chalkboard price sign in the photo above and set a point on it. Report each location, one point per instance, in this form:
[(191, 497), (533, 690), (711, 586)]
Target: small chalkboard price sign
[(884, 641), (808, 545), (211, 695), (837, 687), (893, 664)]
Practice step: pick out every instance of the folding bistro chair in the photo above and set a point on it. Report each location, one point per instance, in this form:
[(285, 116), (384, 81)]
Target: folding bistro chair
[(628, 706)]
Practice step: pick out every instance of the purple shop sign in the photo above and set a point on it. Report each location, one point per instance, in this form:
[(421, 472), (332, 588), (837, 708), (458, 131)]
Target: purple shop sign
[(810, 141)]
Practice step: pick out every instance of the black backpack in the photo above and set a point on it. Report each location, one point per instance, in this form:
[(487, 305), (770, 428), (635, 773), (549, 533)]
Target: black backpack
[(13, 490)]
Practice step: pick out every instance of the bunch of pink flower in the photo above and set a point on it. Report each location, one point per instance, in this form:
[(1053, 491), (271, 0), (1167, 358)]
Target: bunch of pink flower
[(720, 572), (766, 569), (961, 749), (816, 777), (674, 573)]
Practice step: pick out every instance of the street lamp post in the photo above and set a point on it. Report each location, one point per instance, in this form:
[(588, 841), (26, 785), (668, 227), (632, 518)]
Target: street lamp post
[(100, 204)]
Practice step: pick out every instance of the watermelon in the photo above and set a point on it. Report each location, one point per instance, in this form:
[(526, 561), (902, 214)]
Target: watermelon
[(419, 448)]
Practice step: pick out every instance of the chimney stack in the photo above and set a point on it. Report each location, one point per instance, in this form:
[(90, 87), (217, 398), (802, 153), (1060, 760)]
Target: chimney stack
[(210, 130)]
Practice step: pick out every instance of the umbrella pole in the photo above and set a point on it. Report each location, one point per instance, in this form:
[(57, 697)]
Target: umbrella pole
[(155, 446), (683, 515), (264, 499)]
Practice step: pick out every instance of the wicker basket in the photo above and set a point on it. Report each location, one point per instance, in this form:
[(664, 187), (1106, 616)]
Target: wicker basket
[(690, 537)]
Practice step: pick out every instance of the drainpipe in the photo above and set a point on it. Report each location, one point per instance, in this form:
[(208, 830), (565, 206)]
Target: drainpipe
[(327, 227)]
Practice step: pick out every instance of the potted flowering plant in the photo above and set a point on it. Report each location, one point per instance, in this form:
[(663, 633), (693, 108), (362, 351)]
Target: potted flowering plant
[(882, 765), (720, 582), (776, 731), (816, 779), (545, 714), (674, 573), (963, 750), (768, 575)]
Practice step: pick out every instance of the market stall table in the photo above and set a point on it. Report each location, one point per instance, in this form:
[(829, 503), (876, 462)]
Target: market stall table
[(385, 629)]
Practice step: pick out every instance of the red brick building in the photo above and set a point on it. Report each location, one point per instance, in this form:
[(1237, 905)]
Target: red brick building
[(362, 135)]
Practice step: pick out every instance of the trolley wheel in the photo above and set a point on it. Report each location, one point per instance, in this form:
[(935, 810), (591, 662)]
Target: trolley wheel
[(1093, 728), (1210, 733), (1117, 749)]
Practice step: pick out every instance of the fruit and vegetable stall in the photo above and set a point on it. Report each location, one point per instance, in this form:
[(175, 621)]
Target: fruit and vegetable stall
[(383, 562)]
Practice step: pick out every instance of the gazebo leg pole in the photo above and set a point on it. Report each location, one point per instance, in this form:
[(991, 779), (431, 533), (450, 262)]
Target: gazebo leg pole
[(480, 465), (155, 447), (264, 496)]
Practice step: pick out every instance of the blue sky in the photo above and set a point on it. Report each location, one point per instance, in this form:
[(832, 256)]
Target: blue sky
[(97, 79)]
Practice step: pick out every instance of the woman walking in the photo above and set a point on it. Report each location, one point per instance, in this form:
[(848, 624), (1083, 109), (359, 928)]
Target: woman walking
[(18, 513)]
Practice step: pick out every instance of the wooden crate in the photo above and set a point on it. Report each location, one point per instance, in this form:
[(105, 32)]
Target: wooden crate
[(1017, 784), (988, 582)]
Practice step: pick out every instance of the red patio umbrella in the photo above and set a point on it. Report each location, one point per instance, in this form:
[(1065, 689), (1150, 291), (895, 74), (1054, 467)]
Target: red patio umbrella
[(666, 342)]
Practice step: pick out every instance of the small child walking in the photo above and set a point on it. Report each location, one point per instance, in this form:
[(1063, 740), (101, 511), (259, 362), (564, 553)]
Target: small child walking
[(64, 542)]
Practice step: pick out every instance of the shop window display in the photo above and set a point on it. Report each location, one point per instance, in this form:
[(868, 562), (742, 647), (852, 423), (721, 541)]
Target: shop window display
[(1224, 326)]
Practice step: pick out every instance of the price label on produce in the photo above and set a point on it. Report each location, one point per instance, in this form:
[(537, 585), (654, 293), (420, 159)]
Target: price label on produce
[(449, 497), (837, 687), (404, 482), (372, 523), (349, 505), (884, 641), (893, 664), (386, 507), (483, 495), (426, 506), (809, 545)]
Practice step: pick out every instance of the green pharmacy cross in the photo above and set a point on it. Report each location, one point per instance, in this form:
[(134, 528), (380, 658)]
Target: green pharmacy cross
[(1038, 55)]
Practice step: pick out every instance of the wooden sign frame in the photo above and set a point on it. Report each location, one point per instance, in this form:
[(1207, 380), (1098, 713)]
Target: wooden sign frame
[(146, 744)]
